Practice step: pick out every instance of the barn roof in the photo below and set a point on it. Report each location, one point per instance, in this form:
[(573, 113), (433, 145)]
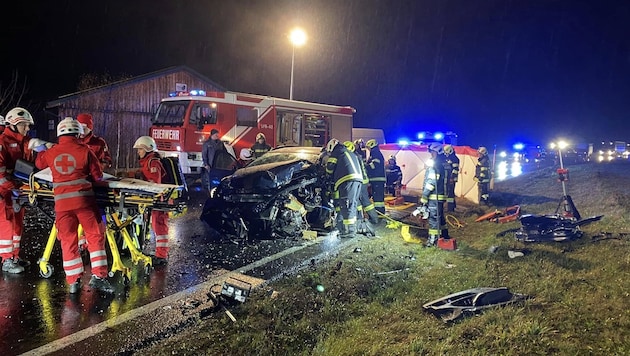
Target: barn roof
[(133, 80)]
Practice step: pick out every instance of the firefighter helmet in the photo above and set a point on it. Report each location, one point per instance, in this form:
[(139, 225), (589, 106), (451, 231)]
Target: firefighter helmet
[(371, 143), (482, 150), (145, 142), (246, 154), (350, 146), (330, 146), (86, 120), (69, 126), (392, 158), (359, 144), (436, 147), (260, 135), (448, 149), (19, 115)]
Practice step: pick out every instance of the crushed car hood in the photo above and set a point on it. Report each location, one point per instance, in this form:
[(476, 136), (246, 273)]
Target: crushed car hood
[(266, 176)]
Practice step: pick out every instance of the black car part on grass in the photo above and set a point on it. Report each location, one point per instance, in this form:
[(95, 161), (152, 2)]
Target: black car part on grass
[(549, 228), (457, 305)]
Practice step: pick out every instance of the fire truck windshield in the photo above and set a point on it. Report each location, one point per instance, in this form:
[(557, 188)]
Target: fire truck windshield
[(171, 113)]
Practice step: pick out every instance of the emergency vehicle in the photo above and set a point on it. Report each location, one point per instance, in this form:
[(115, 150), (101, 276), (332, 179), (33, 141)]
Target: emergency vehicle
[(183, 122)]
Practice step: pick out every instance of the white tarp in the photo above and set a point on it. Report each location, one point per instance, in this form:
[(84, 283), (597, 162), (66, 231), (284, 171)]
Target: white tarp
[(411, 159)]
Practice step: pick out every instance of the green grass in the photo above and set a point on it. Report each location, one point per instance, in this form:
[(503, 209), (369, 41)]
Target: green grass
[(580, 291)]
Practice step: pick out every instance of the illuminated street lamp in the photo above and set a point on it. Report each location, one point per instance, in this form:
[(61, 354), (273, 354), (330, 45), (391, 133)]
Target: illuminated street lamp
[(561, 145), (569, 208), (297, 38)]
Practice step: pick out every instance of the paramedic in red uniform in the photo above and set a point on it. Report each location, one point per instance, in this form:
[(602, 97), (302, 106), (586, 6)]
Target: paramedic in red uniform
[(74, 167), (14, 144), (97, 144), (153, 171)]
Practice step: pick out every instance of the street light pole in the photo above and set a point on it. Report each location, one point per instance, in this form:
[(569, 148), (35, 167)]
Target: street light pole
[(292, 65), (297, 38)]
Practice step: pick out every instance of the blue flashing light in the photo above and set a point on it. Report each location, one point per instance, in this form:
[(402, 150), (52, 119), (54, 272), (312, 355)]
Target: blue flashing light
[(421, 135), (172, 94), (197, 92), (403, 142), (438, 136), (518, 146)]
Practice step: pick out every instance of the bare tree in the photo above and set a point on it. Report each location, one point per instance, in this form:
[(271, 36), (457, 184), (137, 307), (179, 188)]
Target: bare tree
[(12, 92)]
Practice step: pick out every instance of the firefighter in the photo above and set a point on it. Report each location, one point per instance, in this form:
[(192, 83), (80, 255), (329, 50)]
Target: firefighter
[(343, 167), (97, 144), (393, 175), (359, 146), (452, 174), (483, 175), (245, 157), (14, 144), (74, 167), (375, 166), (260, 147), (365, 205), (434, 194), (153, 171)]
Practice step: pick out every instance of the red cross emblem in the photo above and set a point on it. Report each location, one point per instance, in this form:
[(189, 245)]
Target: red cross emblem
[(65, 163)]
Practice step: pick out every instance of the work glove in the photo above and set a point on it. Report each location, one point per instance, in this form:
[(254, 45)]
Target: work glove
[(424, 200), (39, 145)]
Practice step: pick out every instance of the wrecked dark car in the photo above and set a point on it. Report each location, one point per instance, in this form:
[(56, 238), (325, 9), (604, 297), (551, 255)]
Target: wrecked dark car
[(279, 195)]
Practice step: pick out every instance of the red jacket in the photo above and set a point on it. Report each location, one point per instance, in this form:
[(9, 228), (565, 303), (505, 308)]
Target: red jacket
[(152, 168), (99, 147), (74, 167), (13, 146)]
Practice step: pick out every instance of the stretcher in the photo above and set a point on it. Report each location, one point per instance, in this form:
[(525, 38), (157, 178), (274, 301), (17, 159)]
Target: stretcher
[(125, 201)]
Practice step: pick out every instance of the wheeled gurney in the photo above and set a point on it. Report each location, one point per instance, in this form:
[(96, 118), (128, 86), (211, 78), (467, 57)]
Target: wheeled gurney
[(126, 201)]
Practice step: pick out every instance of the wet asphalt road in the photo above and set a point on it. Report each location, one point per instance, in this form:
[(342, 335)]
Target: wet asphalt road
[(35, 311)]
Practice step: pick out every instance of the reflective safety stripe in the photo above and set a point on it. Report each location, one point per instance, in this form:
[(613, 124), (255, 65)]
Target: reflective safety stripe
[(450, 200), (429, 186), (72, 182), (87, 193), (377, 179), (73, 271), (349, 221), (98, 253), (6, 246), (432, 175), (98, 263), (3, 169), (72, 262), (437, 197), (3, 180), (379, 204), (369, 207)]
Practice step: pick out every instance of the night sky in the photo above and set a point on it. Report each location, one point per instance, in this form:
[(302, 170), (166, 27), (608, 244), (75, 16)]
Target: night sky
[(493, 71)]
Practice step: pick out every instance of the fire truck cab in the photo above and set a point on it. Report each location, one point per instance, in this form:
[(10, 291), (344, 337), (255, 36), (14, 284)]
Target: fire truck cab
[(183, 122)]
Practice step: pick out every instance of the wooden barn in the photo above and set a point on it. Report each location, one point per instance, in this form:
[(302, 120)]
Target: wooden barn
[(122, 111)]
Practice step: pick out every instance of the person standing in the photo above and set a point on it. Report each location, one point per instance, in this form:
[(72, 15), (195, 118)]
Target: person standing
[(394, 175), (375, 167), (96, 143), (434, 194), (260, 147), (74, 168), (153, 171), (208, 153), (14, 144), (452, 175), (365, 204), (347, 178), (483, 175)]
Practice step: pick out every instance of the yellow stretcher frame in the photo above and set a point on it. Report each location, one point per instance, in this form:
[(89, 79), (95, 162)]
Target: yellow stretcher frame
[(172, 199)]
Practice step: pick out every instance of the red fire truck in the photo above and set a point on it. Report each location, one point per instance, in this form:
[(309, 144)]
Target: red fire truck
[(183, 122)]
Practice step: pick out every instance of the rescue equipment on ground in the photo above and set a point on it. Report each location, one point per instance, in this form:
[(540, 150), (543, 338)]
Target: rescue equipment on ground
[(468, 302), (125, 201), (449, 244), (507, 215)]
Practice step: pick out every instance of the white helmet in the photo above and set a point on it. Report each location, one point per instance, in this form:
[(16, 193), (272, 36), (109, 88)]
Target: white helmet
[(145, 142), (69, 126), (330, 146), (19, 115), (261, 135), (246, 154)]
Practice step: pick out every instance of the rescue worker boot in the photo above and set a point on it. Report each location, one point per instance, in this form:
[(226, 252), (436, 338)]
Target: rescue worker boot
[(431, 241), (21, 262), (75, 287), (348, 232), (101, 284), (10, 266)]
